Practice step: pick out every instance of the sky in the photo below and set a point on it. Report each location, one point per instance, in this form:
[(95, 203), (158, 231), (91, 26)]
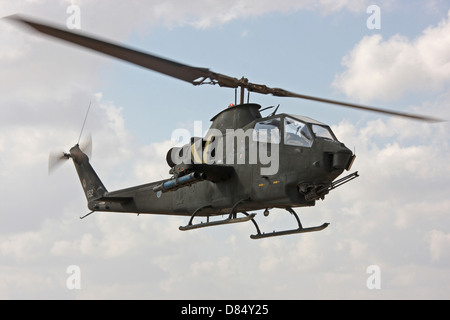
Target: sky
[(389, 233)]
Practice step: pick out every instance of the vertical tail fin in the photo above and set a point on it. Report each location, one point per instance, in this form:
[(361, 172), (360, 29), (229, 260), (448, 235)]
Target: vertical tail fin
[(91, 183)]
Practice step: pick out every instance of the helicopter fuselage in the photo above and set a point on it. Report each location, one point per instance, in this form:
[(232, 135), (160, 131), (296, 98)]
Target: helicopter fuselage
[(244, 161)]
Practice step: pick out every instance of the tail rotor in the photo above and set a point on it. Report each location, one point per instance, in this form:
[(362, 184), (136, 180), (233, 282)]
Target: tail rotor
[(57, 158)]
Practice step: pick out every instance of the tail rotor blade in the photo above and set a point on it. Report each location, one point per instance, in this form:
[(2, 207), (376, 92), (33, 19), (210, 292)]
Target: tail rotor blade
[(55, 160), (86, 146)]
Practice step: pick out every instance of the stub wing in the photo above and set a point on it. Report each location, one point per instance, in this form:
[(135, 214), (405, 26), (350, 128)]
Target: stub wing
[(214, 172)]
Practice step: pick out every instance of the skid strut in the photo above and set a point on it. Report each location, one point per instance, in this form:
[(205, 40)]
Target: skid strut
[(300, 228)]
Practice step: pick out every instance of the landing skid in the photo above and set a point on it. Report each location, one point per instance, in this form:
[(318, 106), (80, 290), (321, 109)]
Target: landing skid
[(300, 228), (217, 223), (284, 233), (231, 219), (250, 217)]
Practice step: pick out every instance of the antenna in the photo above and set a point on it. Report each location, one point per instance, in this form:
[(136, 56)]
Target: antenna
[(276, 109), (84, 122)]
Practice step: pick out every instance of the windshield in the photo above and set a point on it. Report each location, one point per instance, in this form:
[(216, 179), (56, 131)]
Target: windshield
[(267, 131), (323, 132), (296, 133)]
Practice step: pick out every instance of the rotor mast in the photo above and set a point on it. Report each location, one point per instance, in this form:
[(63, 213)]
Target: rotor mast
[(242, 86)]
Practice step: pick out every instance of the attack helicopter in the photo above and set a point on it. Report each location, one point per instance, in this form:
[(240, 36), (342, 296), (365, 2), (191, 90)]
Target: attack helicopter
[(245, 162)]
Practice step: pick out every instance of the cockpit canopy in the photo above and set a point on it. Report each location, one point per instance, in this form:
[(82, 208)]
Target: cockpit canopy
[(296, 131)]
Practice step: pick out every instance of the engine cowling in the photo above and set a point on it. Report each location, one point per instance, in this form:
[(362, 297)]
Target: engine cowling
[(189, 153)]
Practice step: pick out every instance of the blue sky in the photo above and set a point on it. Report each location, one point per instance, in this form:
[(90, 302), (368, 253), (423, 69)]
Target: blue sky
[(395, 216)]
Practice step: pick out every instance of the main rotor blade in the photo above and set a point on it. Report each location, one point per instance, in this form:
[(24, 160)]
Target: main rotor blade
[(149, 61), (283, 93), (194, 75)]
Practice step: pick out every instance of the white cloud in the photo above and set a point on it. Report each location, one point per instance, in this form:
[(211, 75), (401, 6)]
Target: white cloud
[(351, 5), (206, 13), (439, 243), (387, 69), (115, 18)]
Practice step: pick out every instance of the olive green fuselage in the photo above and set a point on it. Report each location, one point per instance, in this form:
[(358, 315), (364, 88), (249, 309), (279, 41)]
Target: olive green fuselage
[(261, 172)]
